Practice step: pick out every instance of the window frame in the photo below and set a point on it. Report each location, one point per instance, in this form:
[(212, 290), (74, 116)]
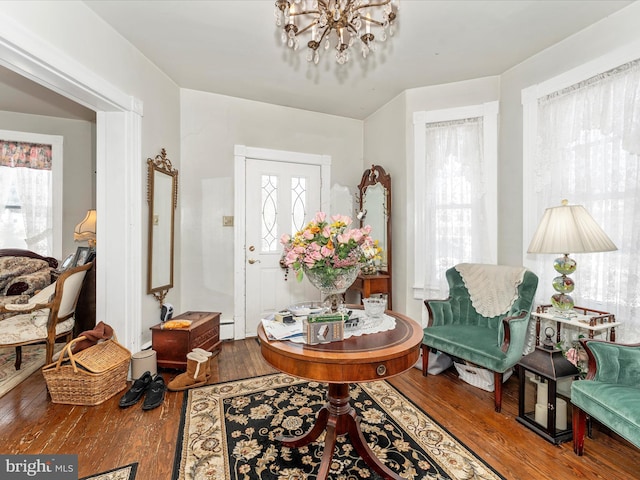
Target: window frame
[(56, 142), (489, 113)]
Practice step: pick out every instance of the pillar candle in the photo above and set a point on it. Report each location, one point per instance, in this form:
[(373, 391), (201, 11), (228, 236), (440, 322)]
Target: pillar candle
[(543, 394), (541, 414), (561, 414)]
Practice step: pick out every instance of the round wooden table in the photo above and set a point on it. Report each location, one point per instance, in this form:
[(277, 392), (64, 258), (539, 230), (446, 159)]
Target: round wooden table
[(357, 359)]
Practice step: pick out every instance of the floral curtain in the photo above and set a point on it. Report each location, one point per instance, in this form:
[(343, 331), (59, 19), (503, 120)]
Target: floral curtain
[(455, 200), (24, 154), (588, 147), (27, 168)]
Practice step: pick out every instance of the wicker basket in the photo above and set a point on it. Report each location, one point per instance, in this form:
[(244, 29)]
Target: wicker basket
[(90, 376)]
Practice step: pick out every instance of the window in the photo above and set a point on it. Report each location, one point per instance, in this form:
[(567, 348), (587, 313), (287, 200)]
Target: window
[(31, 192), (455, 192), (582, 143)]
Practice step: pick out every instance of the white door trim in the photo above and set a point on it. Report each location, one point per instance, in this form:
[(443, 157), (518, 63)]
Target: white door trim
[(118, 139), (241, 154)]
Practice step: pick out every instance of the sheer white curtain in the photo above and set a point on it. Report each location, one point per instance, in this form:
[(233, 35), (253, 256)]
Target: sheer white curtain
[(454, 197), (34, 189), (588, 147)]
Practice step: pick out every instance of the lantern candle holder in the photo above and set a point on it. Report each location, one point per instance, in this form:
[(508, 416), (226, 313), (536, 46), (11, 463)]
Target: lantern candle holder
[(544, 404)]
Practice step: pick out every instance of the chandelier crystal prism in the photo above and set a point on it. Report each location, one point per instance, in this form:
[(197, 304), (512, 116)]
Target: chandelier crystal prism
[(342, 23)]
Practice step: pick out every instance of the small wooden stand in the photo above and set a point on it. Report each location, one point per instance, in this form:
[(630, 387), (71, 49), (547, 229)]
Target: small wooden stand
[(172, 346), (368, 285)]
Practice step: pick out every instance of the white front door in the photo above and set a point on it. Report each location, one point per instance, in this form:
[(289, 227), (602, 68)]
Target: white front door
[(281, 197)]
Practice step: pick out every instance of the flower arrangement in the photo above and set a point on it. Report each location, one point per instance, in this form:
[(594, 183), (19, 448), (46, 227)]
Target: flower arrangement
[(328, 247)]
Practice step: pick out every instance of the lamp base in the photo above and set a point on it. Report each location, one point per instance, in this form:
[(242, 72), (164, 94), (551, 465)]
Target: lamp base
[(562, 302)]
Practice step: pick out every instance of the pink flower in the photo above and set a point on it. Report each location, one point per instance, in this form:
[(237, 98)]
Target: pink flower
[(326, 231), (284, 239), (320, 216), (326, 251), (341, 219), (357, 235), (572, 356), (307, 234)]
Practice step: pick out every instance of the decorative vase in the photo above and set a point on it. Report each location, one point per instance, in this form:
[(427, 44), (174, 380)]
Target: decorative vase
[(332, 283)]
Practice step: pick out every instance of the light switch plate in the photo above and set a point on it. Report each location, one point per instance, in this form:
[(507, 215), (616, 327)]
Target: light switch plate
[(227, 221)]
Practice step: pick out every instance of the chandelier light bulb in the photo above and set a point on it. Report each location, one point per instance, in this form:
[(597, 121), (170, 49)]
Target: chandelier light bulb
[(314, 22)]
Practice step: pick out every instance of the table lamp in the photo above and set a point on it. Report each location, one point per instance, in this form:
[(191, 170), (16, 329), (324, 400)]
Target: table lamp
[(86, 229), (563, 230)]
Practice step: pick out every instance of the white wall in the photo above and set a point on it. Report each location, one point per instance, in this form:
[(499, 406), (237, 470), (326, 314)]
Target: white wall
[(79, 162), (210, 127), (384, 145), (70, 30)]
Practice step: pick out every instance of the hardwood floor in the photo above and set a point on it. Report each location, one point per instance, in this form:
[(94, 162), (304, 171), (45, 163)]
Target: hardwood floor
[(106, 436)]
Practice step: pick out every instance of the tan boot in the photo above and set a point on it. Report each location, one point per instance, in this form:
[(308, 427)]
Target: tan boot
[(209, 356), (195, 376)]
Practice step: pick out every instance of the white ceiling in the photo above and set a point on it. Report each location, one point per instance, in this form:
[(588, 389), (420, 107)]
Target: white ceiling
[(233, 48)]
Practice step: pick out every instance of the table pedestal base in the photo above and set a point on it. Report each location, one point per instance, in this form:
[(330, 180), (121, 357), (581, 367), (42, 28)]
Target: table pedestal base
[(338, 417)]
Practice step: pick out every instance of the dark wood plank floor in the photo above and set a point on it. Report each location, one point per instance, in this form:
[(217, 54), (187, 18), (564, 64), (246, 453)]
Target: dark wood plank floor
[(106, 436)]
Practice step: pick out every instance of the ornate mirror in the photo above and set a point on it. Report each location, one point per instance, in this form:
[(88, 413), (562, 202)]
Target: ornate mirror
[(162, 196), (375, 210)]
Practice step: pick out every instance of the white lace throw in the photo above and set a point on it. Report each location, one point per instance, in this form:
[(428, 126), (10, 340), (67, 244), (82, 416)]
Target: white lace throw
[(492, 288)]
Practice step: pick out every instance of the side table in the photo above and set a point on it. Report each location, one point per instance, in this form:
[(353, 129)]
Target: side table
[(584, 318), (172, 346), (363, 358), (368, 285)]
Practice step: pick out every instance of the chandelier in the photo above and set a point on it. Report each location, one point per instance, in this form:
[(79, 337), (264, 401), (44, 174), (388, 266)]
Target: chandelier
[(349, 20)]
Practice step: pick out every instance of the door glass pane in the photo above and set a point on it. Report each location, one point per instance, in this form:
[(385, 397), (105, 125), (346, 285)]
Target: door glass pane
[(269, 213), (298, 203)]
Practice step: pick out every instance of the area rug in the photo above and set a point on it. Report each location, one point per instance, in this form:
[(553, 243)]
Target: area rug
[(228, 431), (33, 357), (128, 472)]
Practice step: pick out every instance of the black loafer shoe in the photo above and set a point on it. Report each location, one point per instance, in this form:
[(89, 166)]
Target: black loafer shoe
[(155, 393), (137, 390)]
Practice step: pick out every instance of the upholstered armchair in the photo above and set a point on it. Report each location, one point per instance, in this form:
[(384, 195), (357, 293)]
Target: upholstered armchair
[(49, 315), (485, 319), (610, 393)]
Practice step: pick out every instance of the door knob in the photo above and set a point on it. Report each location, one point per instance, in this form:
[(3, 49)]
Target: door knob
[(252, 261)]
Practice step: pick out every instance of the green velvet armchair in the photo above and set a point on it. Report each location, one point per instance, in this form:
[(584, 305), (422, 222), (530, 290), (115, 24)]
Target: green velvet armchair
[(491, 341), (610, 393)]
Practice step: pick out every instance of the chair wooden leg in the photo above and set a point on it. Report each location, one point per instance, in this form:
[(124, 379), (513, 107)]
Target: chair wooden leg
[(49, 357), (425, 359), (497, 381), (18, 358), (579, 423)]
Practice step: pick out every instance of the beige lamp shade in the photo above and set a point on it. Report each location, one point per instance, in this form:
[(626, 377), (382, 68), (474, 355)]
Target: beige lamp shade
[(86, 229), (569, 229)]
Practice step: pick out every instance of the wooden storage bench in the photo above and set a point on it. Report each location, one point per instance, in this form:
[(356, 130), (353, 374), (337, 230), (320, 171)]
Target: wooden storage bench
[(172, 346)]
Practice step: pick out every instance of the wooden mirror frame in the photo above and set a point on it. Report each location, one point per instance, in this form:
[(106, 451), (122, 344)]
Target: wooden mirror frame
[(374, 176), (160, 165)]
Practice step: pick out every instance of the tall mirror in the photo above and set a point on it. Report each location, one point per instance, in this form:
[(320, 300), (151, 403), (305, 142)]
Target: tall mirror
[(375, 210), (162, 196)]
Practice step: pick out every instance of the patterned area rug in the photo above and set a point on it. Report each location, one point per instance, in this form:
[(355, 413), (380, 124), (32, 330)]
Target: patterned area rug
[(228, 431), (128, 472), (32, 359)]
